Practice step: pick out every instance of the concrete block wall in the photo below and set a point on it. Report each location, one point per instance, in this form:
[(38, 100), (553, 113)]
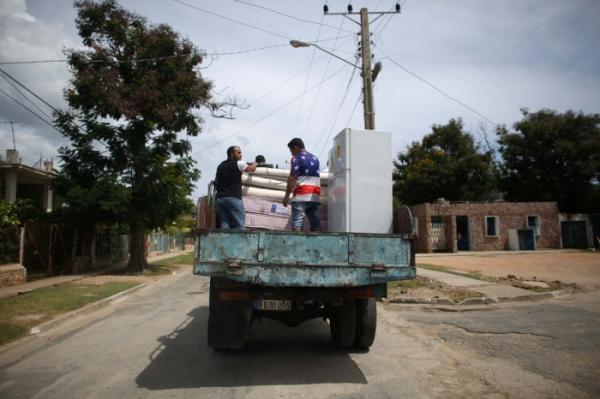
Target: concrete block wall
[(511, 215), (12, 274)]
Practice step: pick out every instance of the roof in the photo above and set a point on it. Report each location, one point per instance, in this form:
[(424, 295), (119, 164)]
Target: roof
[(27, 174)]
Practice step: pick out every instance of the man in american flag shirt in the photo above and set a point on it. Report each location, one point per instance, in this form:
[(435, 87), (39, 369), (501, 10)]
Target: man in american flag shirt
[(305, 183)]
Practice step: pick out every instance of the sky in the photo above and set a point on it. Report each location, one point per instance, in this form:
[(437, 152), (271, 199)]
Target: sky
[(481, 61)]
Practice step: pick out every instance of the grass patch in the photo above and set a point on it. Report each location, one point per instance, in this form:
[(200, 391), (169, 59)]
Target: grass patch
[(20, 313), (10, 332), (444, 269), (406, 284), (169, 265)]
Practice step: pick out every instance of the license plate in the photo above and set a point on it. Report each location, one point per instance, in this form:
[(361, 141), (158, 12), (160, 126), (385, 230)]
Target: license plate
[(277, 305)]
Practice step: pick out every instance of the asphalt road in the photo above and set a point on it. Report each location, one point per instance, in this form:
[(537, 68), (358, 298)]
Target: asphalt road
[(153, 345)]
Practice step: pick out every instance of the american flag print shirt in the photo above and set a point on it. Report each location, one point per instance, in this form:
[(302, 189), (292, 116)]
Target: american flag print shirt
[(308, 185)]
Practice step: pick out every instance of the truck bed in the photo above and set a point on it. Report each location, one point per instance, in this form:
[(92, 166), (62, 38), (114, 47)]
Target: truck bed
[(290, 259)]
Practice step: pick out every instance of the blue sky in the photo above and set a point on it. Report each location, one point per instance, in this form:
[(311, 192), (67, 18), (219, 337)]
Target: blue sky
[(496, 57)]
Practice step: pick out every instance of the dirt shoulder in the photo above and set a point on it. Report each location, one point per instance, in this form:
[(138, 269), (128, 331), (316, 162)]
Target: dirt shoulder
[(423, 288), (580, 268)]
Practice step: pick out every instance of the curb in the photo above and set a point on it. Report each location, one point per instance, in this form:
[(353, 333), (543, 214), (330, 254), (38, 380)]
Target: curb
[(482, 300), (65, 318), (118, 297)]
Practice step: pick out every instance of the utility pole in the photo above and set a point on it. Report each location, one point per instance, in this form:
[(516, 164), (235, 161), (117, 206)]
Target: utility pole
[(365, 47), (13, 132), (365, 40)]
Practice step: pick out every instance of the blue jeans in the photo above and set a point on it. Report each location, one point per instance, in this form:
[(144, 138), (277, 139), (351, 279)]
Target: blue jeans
[(311, 210), (230, 211)]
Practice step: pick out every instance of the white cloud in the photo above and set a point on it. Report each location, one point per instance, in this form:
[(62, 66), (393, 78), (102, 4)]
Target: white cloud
[(16, 9)]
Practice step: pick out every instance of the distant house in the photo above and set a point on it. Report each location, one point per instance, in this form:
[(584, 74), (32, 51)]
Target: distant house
[(19, 181), (486, 226), (579, 230)]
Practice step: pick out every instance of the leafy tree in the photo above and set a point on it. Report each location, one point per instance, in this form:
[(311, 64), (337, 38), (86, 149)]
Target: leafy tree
[(553, 157), (13, 216), (131, 98), (447, 163)]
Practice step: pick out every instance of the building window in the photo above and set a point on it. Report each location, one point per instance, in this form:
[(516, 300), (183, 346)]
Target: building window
[(491, 226), (533, 222)]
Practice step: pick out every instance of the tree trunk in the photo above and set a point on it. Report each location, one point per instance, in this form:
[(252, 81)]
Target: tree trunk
[(137, 249)]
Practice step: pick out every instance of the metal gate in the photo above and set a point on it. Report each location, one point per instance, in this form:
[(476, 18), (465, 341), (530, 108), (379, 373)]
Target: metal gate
[(438, 235), (574, 234)]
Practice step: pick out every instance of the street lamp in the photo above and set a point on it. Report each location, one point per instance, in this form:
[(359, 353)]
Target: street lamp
[(368, 78), (299, 43)]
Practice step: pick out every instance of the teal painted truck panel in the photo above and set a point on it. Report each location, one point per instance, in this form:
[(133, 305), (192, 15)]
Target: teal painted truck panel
[(275, 258)]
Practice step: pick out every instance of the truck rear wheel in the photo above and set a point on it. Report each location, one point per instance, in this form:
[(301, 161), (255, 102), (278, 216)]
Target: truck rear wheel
[(366, 323), (228, 321), (343, 324)]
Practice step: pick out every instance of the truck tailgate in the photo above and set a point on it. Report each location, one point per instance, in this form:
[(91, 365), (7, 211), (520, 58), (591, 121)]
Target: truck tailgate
[(283, 258)]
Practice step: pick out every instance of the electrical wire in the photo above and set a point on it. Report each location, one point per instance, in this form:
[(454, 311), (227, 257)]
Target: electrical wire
[(6, 74), (312, 58), (232, 20), (353, 110), (312, 109), (280, 85), (337, 114), (268, 114), (162, 58), (30, 110), (289, 16), (443, 93), (25, 97)]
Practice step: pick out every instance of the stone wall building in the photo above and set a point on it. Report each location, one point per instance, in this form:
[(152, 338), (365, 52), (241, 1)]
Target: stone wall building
[(486, 226)]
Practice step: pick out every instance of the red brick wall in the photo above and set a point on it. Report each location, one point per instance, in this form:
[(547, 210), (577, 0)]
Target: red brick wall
[(511, 215)]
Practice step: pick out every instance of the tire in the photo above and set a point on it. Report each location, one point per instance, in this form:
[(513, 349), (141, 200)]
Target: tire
[(366, 323), (343, 325), (228, 322)]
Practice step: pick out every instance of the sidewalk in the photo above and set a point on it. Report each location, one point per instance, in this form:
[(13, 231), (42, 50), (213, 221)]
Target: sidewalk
[(484, 287), (6, 292), (496, 253), (492, 292)]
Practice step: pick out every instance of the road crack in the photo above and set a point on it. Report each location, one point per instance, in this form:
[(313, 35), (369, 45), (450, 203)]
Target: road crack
[(471, 331)]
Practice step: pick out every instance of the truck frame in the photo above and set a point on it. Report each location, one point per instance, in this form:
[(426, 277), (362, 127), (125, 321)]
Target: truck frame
[(293, 277)]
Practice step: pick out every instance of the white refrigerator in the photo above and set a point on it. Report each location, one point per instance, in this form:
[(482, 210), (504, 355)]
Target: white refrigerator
[(359, 197)]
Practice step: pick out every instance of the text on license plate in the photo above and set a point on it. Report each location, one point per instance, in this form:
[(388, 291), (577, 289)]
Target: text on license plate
[(273, 304)]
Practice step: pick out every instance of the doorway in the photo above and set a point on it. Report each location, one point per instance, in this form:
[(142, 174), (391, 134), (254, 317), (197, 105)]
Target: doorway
[(462, 233), (574, 234)]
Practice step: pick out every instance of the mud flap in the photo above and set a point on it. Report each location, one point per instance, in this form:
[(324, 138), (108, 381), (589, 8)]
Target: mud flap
[(228, 321)]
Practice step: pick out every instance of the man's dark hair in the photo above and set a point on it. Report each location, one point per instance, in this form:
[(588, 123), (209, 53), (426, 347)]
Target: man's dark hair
[(260, 159), (296, 142), (230, 151)]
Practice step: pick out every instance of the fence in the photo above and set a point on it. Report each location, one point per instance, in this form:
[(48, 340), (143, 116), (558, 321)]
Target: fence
[(52, 249), (161, 242)]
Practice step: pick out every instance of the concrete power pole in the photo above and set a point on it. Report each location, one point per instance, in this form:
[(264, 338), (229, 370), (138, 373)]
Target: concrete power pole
[(366, 71), (365, 41)]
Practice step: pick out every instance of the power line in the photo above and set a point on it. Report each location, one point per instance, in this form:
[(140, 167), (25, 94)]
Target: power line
[(443, 93), (30, 110), (28, 90), (312, 58), (310, 114), (140, 59), (232, 20), (282, 84), (25, 97), (24, 62), (269, 114), (337, 114), (290, 16)]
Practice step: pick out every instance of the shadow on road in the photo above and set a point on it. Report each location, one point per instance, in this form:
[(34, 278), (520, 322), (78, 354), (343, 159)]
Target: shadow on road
[(277, 355)]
